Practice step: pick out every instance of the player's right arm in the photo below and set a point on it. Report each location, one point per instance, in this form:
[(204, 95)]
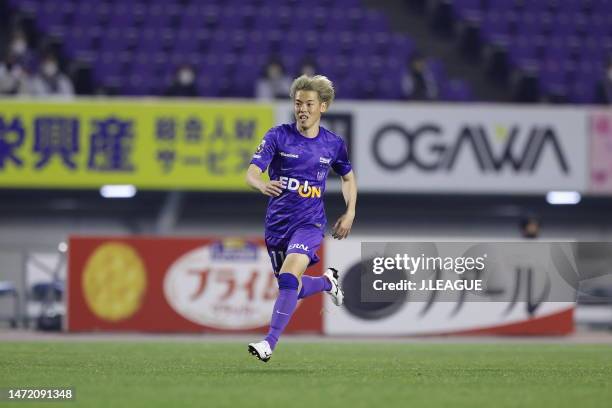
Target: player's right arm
[(259, 163), (270, 188)]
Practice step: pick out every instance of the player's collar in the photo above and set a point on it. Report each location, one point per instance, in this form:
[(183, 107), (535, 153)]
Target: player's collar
[(306, 137)]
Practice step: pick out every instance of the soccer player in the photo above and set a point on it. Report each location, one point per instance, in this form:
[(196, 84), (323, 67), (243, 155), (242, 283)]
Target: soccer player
[(298, 158)]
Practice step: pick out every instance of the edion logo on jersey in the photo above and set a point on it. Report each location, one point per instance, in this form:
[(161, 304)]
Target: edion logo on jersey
[(304, 190)]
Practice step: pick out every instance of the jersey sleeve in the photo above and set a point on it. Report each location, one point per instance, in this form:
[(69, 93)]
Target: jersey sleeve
[(266, 150), (341, 163)]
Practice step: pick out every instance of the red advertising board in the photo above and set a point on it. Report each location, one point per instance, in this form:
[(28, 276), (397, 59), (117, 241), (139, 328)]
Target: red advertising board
[(222, 285)]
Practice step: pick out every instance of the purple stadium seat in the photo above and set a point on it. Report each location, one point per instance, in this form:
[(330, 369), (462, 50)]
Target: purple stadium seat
[(388, 89), (582, 92), (556, 51), (155, 18), (437, 70), (522, 51), (337, 21), (493, 24), (50, 16), (123, 17), (28, 6), (572, 7), (553, 78), (355, 17), (535, 6), (134, 44), (345, 4), (85, 16), (456, 90), (468, 9), (78, 39), (107, 66), (499, 5), (113, 41), (375, 21)]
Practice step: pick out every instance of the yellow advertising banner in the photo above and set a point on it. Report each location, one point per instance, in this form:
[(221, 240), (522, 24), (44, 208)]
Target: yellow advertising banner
[(152, 144)]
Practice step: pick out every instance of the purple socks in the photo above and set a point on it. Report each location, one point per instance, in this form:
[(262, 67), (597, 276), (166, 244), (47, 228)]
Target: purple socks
[(312, 285), (287, 300), (283, 307)]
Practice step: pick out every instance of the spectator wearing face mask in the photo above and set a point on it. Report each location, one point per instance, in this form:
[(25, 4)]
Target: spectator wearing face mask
[(275, 84), (14, 67), (50, 81), (20, 50), (603, 89), (184, 83), (13, 76)]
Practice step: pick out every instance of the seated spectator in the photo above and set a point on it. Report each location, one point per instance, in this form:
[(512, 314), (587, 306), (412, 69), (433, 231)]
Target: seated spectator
[(20, 50), (184, 83), (50, 81), (13, 76), (14, 67), (418, 82), (275, 84), (603, 89)]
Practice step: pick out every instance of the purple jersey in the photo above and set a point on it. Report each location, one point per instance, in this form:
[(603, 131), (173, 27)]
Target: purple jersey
[(302, 165)]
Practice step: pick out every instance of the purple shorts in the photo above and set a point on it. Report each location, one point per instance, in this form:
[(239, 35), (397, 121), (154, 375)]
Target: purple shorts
[(304, 240)]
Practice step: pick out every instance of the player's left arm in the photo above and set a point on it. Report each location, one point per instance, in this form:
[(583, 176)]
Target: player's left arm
[(349, 190)]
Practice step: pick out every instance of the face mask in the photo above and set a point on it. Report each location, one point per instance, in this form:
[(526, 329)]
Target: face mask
[(49, 69), (19, 47), (186, 77)]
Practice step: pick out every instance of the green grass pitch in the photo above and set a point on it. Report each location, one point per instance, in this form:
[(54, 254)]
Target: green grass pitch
[(316, 375)]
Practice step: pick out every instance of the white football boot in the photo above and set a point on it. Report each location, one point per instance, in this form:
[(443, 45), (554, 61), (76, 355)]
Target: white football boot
[(261, 350), (335, 292)]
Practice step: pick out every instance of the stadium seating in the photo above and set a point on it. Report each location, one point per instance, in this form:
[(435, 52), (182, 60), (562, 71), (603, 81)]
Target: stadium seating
[(135, 47), (565, 42)]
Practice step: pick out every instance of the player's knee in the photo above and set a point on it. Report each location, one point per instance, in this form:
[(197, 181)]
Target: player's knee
[(288, 281)]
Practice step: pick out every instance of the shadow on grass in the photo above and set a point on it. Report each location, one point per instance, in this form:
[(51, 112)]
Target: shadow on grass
[(271, 370)]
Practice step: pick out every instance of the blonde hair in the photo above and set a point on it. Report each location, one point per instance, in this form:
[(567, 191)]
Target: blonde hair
[(318, 83)]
